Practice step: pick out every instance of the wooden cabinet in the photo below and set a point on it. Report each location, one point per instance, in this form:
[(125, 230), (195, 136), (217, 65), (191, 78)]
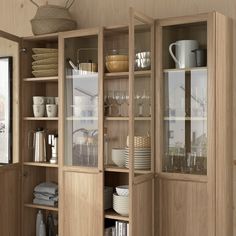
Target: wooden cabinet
[(180, 183)]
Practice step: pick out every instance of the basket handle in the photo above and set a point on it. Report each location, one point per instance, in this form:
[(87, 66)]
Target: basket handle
[(35, 3), (70, 5)]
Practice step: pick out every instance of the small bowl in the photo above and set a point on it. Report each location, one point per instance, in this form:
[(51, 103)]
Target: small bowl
[(144, 63), (117, 66), (142, 55), (123, 190), (117, 58), (121, 204), (118, 156)]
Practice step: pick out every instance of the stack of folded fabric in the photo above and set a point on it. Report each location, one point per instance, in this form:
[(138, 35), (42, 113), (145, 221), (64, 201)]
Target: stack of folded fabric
[(46, 194)]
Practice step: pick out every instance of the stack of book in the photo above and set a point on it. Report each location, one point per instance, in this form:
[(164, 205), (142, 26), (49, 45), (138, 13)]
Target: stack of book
[(120, 229)]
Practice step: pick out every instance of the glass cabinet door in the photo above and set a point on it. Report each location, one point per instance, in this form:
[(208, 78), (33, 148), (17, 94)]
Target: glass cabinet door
[(185, 121), (81, 101), (142, 92)]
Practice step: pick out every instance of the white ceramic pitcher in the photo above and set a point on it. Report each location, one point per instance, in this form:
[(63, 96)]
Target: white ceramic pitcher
[(184, 56)]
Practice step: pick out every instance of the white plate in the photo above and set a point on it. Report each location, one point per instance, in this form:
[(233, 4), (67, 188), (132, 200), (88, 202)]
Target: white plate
[(37, 57), (45, 67), (53, 60), (44, 50), (45, 73)]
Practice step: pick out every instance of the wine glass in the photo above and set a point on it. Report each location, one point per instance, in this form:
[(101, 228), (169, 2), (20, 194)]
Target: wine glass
[(120, 99), (139, 99), (110, 101), (126, 96)]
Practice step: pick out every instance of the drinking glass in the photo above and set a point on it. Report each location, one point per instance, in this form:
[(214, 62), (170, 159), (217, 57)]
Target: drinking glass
[(139, 99), (126, 100), (110, 101), (120, 99)]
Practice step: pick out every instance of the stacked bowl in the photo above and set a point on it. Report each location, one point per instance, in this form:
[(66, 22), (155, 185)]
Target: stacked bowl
[(143, 60), (121, 200), (117, 63), (45, 62)]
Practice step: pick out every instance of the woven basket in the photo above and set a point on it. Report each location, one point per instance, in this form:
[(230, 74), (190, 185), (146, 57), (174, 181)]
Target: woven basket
[(52, 19), (140, 141), (47, 26)]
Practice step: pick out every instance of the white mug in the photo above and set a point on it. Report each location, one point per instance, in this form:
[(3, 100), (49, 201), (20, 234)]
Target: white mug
[(184, 56), (51, 110), (38, 100), (50, 100), (39, 110)]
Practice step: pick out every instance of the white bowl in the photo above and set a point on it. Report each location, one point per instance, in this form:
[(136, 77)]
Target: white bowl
[(118, 156), (123, 190), (121, 204)]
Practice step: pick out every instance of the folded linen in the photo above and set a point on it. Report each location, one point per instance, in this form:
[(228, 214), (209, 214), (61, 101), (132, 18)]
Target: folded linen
[(45, 202), (46, 196), (47, 187)]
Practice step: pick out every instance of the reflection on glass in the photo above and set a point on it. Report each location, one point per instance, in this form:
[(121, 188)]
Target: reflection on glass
[(185, 122)]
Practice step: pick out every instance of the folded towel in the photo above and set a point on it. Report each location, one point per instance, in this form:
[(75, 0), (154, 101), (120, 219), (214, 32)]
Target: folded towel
[(47, 187), (46, 196), (45, 202)]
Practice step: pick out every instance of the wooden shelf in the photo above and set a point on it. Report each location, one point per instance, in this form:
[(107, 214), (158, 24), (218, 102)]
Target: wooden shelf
[(41, 164), (125, 75), (30, 205), (41, 118), (111, 214), (117, 118), (111, 168), (81, 118), (42, 79), (185, 69), (185, 118)]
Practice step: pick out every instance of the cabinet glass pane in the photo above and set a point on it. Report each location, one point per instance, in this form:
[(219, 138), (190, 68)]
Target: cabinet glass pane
[(142, 97), (81, 104), (185, 121)]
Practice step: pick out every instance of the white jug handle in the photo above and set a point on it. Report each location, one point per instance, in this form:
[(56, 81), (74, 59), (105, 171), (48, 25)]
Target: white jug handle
[(172, 54)]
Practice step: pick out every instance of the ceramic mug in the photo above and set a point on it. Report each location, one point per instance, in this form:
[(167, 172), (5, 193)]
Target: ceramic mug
[(51, 110), (56, 100), (184, 53), (50, 100), (39, 110), (38, 100)]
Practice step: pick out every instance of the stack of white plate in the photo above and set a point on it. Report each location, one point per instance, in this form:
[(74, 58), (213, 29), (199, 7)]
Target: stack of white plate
[(45, 62), (121, 204), (142, 158)]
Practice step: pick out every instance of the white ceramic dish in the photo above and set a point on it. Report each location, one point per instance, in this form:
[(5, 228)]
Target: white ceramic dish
[(44, 56), (45, 73), (44, 50), (53, 60), (121, 204), (45, 67), (122, 190)]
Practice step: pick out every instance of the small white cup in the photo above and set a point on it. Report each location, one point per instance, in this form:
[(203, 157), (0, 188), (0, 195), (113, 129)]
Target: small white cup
[(38, 100), (50, 100), (118, 156), (51, 110), (39, 110), (56, 100)]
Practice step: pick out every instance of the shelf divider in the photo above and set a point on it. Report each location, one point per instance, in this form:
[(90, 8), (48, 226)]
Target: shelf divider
[(31, 205)]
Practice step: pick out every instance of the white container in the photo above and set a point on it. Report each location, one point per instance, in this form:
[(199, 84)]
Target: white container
[(118, 156), (39, 219), (42, 229), (39, 110), (50, 100), (38, 100), (121, 204), (184, 53), (123, 190), (51, 110)]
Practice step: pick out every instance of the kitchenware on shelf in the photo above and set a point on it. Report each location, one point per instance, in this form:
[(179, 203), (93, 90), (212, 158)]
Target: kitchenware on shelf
[(143, 55), (38, 100), (121, 204), (122, 190), (44, 50), (45, 68), (39, 110), (140, 141), (117, 58), (117, 66), (184, 56), (56, 100), (200, 57), (53, 145), (118, 156), (45, 73), (108, 192), (42, 56), (50, 100), (143, 64), (51, 110), (52, 19), (52, 60), (38, 140)]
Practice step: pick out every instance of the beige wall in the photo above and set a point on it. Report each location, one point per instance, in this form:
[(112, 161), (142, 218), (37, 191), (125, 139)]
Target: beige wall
[(15, 16)]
